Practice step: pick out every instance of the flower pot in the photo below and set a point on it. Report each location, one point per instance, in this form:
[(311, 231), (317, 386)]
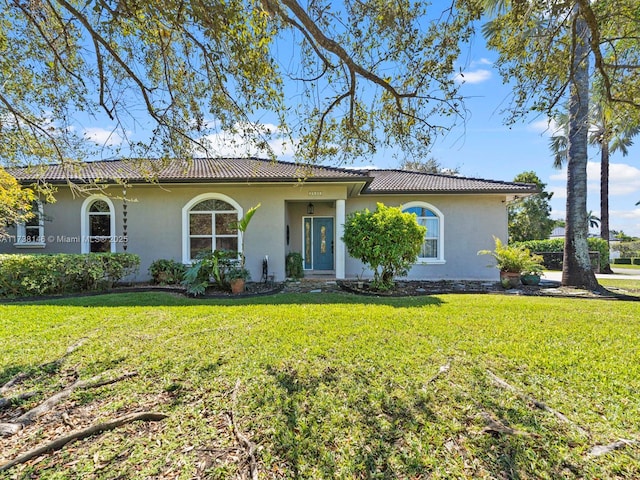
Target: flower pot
[(510, 279), (530, 279), (237, 285)]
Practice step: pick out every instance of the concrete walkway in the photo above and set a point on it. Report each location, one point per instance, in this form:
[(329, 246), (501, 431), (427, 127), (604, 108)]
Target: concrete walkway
[(618, 273)]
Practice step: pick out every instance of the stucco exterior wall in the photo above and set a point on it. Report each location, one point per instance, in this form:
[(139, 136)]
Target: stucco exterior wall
[(469, 223), (155, 225)]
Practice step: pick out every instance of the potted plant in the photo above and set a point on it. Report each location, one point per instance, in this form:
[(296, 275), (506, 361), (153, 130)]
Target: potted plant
[(237, 276), (531, 276), (513, 262)]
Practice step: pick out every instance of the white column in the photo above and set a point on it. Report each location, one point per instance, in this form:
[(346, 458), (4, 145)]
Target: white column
[(340, 248)]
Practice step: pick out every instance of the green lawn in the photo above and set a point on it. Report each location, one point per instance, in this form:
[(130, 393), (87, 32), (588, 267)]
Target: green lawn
[(333, 386)]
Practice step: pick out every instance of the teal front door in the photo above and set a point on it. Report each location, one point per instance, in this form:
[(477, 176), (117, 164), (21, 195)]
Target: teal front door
[(322, 244)]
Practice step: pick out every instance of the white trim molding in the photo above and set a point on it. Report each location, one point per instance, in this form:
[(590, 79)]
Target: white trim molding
[(440, 258), (21, 230), (85, 244)]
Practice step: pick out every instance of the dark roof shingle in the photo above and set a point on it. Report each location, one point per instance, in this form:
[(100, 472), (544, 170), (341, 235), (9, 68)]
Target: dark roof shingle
[(403, 181), (243, 170), (197, 169)]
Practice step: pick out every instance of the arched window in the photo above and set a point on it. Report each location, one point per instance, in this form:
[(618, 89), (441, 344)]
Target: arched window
[(98, 225), (430, 217), (208, 224)]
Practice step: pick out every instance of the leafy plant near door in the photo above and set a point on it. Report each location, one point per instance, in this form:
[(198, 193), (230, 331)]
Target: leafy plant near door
[(238, 275), (208, 267), (294, 265), (388, 240), (221, 266)]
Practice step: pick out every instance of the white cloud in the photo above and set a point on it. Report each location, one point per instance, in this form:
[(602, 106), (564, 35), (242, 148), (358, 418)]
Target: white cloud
[(248, 140), (546, 126), (482, 61), (627, 214), (103, 136), (624, 179), (558, 191), (473, 77)]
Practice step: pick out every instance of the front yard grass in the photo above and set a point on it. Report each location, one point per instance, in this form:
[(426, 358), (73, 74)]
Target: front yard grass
[(333, 386)]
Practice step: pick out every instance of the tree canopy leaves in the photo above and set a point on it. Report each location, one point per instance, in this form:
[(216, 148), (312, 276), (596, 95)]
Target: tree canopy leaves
[(15, 202), (358, 75), (529, 217)]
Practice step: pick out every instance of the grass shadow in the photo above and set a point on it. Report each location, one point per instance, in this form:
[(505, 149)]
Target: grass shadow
[(314, 414), (164, 299)]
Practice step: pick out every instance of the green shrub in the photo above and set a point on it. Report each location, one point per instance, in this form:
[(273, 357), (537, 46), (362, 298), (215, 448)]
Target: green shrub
[(514, 259), (622, 261), (636, 261), (294, 265), (387, 240), (557, 245), (627, 249), (28, 275), (209, 266), (166, 272)]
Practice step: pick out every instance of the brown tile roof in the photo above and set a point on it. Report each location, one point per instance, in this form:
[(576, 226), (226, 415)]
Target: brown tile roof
[(403, 181), (235, 170), (196, 170)]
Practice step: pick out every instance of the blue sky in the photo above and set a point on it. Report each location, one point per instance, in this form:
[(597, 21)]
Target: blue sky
[(489, 149)]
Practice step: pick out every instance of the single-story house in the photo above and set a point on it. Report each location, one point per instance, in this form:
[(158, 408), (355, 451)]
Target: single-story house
[(191, 206)]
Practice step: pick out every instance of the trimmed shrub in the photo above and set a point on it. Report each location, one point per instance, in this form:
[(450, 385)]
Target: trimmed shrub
[(622, 261), (388, 240), (166, 272), (636, 261), (41, 274), (294, 265)]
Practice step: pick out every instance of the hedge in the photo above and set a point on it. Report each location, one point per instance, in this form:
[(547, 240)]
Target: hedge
[(626, 261), (42, 274), (557, 245)]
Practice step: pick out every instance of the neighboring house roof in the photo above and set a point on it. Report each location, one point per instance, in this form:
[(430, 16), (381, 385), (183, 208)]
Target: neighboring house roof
[(557, 232), (243, 170)]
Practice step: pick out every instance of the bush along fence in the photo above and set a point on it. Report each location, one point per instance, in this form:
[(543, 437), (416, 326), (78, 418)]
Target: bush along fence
[(552, 250), (627, 261), (41, 274)]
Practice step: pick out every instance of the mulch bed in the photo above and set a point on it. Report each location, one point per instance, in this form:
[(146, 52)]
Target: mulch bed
[(546, 288), (403, 288)]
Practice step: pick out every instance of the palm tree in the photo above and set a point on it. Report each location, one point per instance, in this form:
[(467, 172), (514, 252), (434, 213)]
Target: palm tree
[(594, 221), (611, 134)]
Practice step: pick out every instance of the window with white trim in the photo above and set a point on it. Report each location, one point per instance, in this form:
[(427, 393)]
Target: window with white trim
[(31, 232), (430, 217), (98, 225), (212, 225)]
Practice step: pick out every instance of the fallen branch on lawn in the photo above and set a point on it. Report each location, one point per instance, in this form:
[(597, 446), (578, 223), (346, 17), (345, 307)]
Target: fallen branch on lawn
[(58, 443), (43, 366), (52, 401), (598, 450), (7, 402), (247, 444), (538, 404), (497, 426), (441, 371)]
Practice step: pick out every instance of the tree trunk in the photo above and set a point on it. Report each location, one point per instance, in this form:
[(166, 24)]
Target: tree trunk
[(604, 190), (577, 271)]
